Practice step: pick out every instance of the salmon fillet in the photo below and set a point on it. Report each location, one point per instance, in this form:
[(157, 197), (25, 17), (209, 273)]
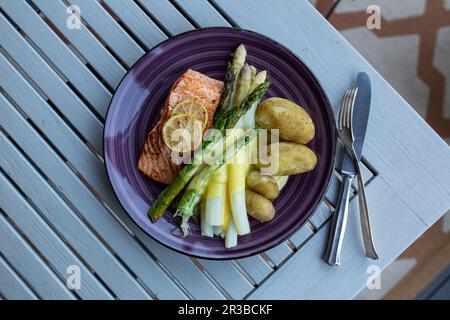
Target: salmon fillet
[(156, 158)]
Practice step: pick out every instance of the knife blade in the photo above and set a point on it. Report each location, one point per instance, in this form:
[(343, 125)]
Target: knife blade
[(360, 121)]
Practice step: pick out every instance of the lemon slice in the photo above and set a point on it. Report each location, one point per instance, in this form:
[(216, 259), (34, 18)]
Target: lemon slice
[(194, 109), (182, 133)]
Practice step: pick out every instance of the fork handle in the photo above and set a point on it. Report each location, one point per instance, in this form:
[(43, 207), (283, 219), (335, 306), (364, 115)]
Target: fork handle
[(339, 223), (364, 217)]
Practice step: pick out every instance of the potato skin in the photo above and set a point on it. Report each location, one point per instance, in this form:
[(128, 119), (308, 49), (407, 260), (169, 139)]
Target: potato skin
[(293, 122), (266, 186), (292, 158), (259, 207)]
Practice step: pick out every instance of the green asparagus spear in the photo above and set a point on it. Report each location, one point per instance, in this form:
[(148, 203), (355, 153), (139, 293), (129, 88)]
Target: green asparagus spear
[(229, 119), (254, 71), (231, 74), (259, 78), (225, 101), (193, 193), (243, 85), (226, 121), (239, 58), (248, 120)]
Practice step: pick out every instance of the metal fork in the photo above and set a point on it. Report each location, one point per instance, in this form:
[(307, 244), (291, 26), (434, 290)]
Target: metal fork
[(345, 131)]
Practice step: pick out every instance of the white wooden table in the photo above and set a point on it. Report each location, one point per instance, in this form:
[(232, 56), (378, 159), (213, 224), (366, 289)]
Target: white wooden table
[(58, 209)]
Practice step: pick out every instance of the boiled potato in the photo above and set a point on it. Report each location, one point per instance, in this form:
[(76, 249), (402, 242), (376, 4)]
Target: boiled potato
[(259, 207), (293, 122), (287, 158), (266, 186)]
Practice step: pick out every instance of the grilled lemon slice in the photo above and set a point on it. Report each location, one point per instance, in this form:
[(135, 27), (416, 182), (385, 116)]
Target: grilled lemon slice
[(182, 133), (194, 109)]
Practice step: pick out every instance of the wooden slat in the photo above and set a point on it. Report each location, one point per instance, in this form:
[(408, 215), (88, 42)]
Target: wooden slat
[(203, 13), (45, 240), (48, 121), (183, 269), (93, 171), (333, 188), (69, 225), (279, 253), (25, 261), (299, 237), (323, 212), (82, 198), (94, 52), (166, 14), (60, 55), (15, 87), (110, 31), (228, 277), (256, 267), (12, 287), (137, 22), (48, 81), (367, 175), (321, 215)]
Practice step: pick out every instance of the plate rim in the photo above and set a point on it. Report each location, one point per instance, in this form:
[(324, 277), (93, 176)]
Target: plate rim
[(328, 108)]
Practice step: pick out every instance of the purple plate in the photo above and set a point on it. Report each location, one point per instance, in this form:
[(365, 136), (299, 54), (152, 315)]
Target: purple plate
[(135, 109)]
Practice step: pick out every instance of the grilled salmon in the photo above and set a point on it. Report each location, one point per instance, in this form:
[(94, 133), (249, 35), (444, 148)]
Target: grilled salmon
[(156, 158)]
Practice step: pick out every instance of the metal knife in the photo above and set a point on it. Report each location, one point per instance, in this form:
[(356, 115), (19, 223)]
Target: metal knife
[(360, 120)]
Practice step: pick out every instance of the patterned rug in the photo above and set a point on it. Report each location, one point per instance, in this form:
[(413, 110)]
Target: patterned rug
[(412, 51)]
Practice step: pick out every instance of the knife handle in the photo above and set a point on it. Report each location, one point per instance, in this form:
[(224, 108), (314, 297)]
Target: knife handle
[(364, 217), (339, 223)]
